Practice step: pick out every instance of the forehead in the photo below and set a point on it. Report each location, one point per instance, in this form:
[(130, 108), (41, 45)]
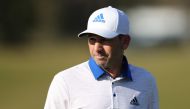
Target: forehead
[(94, 35), (97, 36)]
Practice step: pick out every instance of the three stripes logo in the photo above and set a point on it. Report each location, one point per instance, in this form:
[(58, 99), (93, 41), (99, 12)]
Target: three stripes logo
[(99, 18), (134, 101)]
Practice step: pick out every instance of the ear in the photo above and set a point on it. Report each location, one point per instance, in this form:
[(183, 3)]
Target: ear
[(125, 41)]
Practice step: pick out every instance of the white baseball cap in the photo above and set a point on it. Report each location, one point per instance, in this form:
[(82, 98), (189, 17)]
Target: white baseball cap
[(107, 22)]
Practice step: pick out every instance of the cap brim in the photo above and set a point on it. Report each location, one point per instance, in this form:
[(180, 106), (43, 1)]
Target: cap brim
[(102, 33)]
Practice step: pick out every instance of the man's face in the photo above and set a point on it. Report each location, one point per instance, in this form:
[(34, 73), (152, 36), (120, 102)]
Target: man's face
[(106, 52)]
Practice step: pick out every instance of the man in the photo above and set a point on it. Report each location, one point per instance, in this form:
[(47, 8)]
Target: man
[(106, 80)]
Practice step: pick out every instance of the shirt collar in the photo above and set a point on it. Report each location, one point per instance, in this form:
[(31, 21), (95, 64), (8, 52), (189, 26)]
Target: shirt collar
[(97, 71)]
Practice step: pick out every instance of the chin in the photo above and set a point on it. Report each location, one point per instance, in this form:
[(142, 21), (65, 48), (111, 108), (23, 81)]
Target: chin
[(101, 62)]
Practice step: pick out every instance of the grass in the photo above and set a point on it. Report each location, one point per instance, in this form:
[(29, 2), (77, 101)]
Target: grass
[(25, 74)]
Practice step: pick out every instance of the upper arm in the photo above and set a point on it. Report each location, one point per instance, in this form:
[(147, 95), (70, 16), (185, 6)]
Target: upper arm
[(154, 96), (58, 96)]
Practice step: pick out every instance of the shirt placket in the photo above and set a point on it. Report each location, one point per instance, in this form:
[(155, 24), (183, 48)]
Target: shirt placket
[(114, 93)]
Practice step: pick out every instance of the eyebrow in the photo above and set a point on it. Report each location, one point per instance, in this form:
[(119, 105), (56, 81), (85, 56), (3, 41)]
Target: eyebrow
[(99, 38)]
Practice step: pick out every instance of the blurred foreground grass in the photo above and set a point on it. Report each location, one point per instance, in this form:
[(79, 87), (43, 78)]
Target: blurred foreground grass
[(25, 74)]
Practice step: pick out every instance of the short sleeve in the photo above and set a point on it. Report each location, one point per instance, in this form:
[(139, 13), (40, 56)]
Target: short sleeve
[(58, 96), (154, 96)]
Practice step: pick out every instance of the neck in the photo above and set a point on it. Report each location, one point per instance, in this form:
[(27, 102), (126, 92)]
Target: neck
[(114, 71)]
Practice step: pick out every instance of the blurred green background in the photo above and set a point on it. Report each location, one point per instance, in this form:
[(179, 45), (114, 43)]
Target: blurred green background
[(39, 39)]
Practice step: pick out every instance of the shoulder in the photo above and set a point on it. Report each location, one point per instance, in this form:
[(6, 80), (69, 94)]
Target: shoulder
[(73, 70), (74, 77), (76, 73), (139, 73)]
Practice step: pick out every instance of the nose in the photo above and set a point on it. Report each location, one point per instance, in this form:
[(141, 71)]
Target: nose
[(98, 46)]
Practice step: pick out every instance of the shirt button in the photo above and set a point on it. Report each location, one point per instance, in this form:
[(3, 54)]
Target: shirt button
[(114, 95)]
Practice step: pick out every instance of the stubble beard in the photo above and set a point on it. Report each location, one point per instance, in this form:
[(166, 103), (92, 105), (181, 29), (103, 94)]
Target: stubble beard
[(104, 63)]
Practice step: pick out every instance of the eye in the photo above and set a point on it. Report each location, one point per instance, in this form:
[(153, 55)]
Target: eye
[(106, 41), (92, 40)]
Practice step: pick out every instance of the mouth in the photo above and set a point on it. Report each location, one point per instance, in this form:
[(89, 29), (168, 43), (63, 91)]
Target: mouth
[(100, 57), (100, 60)]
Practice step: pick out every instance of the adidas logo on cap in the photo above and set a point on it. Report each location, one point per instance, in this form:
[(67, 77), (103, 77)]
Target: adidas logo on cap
[(99, 18)]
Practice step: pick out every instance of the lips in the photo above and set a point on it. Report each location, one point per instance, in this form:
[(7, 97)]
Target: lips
[(100, 57)]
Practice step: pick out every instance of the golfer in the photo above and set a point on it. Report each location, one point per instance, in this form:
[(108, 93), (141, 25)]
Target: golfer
[(106, 80)]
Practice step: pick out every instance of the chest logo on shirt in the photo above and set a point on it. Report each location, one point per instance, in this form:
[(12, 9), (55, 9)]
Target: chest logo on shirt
[(134, 101)]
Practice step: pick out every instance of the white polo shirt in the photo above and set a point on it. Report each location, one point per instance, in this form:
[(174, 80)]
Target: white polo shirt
[(87, 86)]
